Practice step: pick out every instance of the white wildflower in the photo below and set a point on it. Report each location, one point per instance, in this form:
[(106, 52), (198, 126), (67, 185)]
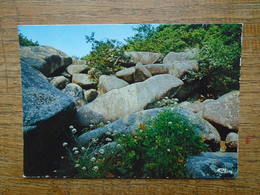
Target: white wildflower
[(91, 125), (83, 148), (47, 176), (71, 127), (74, 148), (95, 168), (74, 130), (93, 159), (101, 151), (168, 150), (166, 97), (170, 122), (76, 152), (76, 165), (175, 102), (84, 168), (108, 139), (64, 144), (108, 121)]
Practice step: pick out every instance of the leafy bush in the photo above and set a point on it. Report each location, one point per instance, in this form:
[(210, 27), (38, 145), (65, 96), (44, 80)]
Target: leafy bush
[(105, 56), (219, 51), (24, 41), (158, 149)]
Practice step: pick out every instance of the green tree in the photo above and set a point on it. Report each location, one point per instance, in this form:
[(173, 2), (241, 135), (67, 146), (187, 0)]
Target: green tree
[(24, 41)]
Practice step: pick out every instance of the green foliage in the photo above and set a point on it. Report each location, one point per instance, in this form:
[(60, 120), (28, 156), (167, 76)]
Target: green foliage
[(218, 45), (24, 41), (158, 149), (219, 51), (219, 61), (105, 56)]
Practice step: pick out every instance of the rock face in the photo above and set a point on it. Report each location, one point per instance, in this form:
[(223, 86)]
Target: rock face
[(130, 123), (73, 90), (46, 111), (212, 165), (126, 74), (132, 98), (83, 80), (107, 83), (232, 142), (44, 58), (224, 111), (141, 73), (76, 92), (157, 68), (75, 68), (59, 82), (179, 68), (77, 61), (90, 95), (172, 57), (143, 57)]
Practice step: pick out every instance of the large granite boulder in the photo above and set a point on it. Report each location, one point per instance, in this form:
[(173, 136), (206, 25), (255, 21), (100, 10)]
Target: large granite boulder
[(46, 112), (76, 68), (76, 92), (141, 73), (172, 57), (78, 61), (107, 83), (155, 69), (143, 57), (130, 123), (59, 82), (231, 142), (46, 59), (126, 74), (179, 68), (118, 103), (84, 80), (212, 165), (224, 111), (90, 94)]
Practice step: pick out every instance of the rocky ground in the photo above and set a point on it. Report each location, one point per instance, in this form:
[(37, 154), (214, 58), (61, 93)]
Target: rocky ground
[(59, 91)]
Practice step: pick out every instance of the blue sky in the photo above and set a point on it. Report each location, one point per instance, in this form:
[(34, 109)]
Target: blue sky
[(71, 38)]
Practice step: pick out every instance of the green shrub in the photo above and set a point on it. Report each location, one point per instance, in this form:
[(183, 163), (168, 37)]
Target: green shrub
[(105, 56), (24, 41), (158, 149)]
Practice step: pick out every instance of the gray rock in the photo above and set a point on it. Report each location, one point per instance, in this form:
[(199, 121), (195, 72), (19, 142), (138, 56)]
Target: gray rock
[(157, 68), (232, 141), (126, 74), (132, 98), (143, 57), (77, 61), (195, 106), (107, 83), (59, 82), (212, 165), (130, 123), (172, 57), (73, 90), (83, 80), (75, 68), (224, 111), (141, 73), (46, 112), (90, 95), (179, 68), (44, 58)]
